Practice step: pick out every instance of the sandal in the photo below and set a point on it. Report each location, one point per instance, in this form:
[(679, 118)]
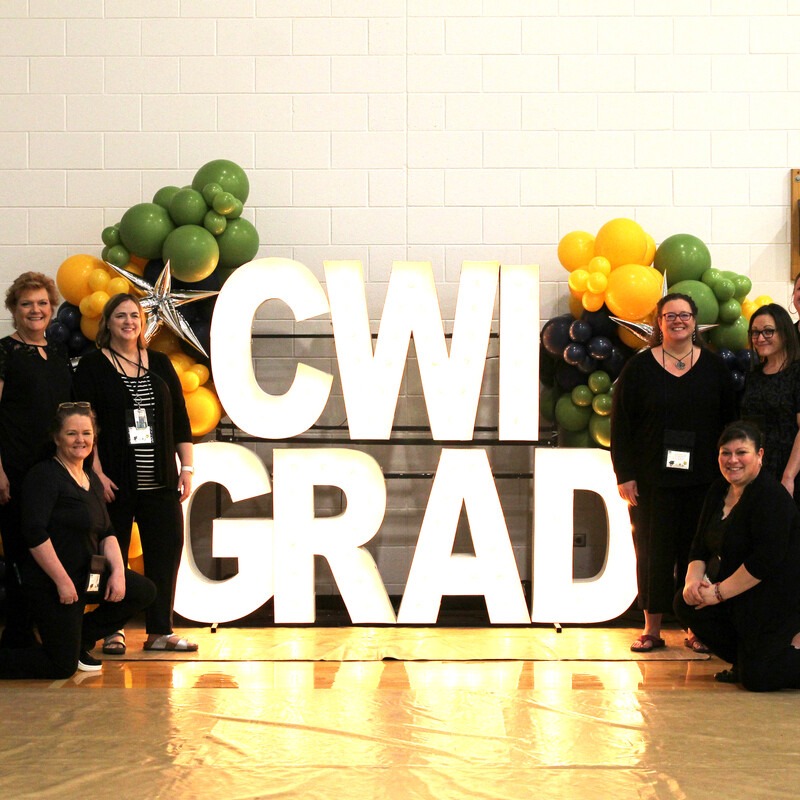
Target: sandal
[(645, 643), (171, 641), (695, 645), (114, 644)]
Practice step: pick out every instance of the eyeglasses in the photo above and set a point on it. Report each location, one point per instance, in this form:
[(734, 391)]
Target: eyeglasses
[(766, 333), (683, 316), (83, 405)]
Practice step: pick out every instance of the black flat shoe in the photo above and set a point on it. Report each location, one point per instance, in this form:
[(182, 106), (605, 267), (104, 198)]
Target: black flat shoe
[(727, 676)]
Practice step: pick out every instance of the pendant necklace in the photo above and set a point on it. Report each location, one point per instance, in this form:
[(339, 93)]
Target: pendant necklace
[(679, 361)]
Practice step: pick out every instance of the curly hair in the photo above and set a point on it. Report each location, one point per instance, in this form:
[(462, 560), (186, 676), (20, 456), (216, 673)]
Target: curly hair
[(30, 282)]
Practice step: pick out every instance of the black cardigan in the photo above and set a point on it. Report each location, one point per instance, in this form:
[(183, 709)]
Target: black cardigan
[(97, 381), (763, 533)]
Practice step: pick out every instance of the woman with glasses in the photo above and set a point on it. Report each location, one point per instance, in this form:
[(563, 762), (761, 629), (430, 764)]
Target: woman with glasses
[(34, 378), (772, 393), (144, 425), (65, 524), (670, 404)]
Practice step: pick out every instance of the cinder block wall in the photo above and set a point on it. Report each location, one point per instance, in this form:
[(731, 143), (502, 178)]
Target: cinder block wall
[(383, 130)]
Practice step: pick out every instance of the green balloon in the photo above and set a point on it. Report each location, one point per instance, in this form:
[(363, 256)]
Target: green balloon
[(710, 276), (163, 197), (602, 404), (238, 244), (599, 381), (237, 209), (214, 223), (547, 403), (104, 253), (723, 289), (118, 256), (110, 236), (582, 396), (600, 430), (703, 296), (144, 228), (192, 253), (734, 335), (730, 311), (228, 175), (742, 285), (210, 191), (187, 207), (224, 203), (223, 273), (682, 257), (575, 438), (571, 417)]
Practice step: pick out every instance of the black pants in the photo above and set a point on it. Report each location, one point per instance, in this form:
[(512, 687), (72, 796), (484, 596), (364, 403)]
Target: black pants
[(664, 522), (18, 631), (65, 630), (762, 666), (159, 516)]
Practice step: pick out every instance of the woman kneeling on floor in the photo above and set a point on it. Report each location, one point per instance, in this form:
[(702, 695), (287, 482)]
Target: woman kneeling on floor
[(65, 524), (741, 594)]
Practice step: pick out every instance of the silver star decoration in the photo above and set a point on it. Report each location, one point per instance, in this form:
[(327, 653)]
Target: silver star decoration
[(161, 305)]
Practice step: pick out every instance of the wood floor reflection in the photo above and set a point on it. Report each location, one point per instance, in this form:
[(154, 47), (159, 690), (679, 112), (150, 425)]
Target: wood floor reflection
[(194, 728)]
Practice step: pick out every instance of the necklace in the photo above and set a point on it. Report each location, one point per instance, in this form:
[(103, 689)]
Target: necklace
[(82, 481), (679, 362), (30, 344)]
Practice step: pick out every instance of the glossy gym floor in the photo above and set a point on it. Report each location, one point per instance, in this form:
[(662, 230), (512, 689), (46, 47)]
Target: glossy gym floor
[(400, 713)]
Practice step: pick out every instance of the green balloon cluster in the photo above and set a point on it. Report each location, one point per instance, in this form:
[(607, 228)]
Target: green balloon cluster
[(196, 228), (584, 414), (682, 257)]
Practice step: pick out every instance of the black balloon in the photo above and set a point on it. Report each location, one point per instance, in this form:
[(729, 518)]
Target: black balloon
[(153, 268), (729, 357), (77, 343), (600, 321), (588, 365), (547, 366), (69, 315), (575, 353), (568, 377), (745, 358), (555, 334), (580, 331), (614, 363), (738, 379), (599, 347), (57, 332)]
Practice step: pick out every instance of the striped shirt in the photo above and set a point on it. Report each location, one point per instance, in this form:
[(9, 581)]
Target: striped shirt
[(141, 390)]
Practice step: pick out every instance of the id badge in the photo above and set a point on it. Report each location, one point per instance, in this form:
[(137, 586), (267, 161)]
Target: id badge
[(93, 584), (140, 431), (678, 447)]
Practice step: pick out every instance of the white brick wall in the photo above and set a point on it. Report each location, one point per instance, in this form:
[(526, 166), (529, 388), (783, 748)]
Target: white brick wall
[(381, 130)]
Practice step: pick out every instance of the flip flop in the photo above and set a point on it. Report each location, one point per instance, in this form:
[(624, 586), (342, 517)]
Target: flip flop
[(640, 644), (695, 645), (171, 642), (114, 644)]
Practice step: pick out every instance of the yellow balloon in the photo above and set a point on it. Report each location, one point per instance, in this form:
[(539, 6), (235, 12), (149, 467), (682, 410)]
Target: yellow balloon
[(599, 264), (72, 277), (597, 283), (575, 305), (98, 280), (575, 249), (748, 308), (135, 549), (621, 241), (577, 280), (118, 285), (89, 327), (632, 291), (165, 342), (183, 359), (97, 302), (592, 302), (629, 338), (190, 381), (762, 300), (204, 410), (136, 265), (137, 564), (202, 372), (650, 254), (87, 309)]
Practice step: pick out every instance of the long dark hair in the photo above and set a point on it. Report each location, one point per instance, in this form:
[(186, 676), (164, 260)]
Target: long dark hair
[(785, 328), (656, 337), (103, 338)]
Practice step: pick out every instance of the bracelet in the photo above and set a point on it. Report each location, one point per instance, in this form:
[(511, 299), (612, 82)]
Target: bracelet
[(188, 469), (718, 594)]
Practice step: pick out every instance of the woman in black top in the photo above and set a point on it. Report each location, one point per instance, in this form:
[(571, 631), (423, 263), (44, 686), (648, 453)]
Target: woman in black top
[(34, 378), (65, 523), (143, 423), (740, 592), (670, 404)]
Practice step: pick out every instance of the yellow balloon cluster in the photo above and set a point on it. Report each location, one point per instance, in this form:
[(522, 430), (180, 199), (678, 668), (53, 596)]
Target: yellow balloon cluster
[(85, 281), (202, 403), (612, 269)]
